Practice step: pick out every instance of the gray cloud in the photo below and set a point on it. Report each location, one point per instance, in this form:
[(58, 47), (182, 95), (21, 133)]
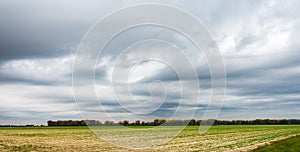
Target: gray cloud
[(259, 41), (31, 29)]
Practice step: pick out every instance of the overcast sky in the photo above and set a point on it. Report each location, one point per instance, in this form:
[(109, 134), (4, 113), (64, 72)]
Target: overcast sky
[(259, 41)]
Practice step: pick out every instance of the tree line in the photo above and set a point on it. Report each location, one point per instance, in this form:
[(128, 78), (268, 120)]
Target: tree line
[(157, 122)]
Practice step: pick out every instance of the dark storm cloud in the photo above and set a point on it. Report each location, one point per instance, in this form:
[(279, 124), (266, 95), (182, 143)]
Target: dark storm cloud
[(276, 103), (170, 108), (33, 115), (265, 82), (34, 29), (6, 79)]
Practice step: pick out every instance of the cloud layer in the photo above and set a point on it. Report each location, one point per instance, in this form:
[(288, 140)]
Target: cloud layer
[(259, 41)]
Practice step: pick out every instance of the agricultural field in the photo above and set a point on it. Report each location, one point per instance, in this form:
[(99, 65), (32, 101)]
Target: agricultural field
[(286, 145), (218, 138)]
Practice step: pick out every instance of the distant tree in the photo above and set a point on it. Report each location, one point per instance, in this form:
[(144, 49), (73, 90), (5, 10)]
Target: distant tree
[(156, 122), (193, 122), (162, 121), (198, 122), (120, 123), (283, 122), (125, 122), (137, 122), (108, 123)]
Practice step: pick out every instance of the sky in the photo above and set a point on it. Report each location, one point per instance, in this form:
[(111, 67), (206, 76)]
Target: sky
[(259, 42)]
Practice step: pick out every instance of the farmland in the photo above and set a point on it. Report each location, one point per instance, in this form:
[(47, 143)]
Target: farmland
[(218, 138), (286, 145)]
